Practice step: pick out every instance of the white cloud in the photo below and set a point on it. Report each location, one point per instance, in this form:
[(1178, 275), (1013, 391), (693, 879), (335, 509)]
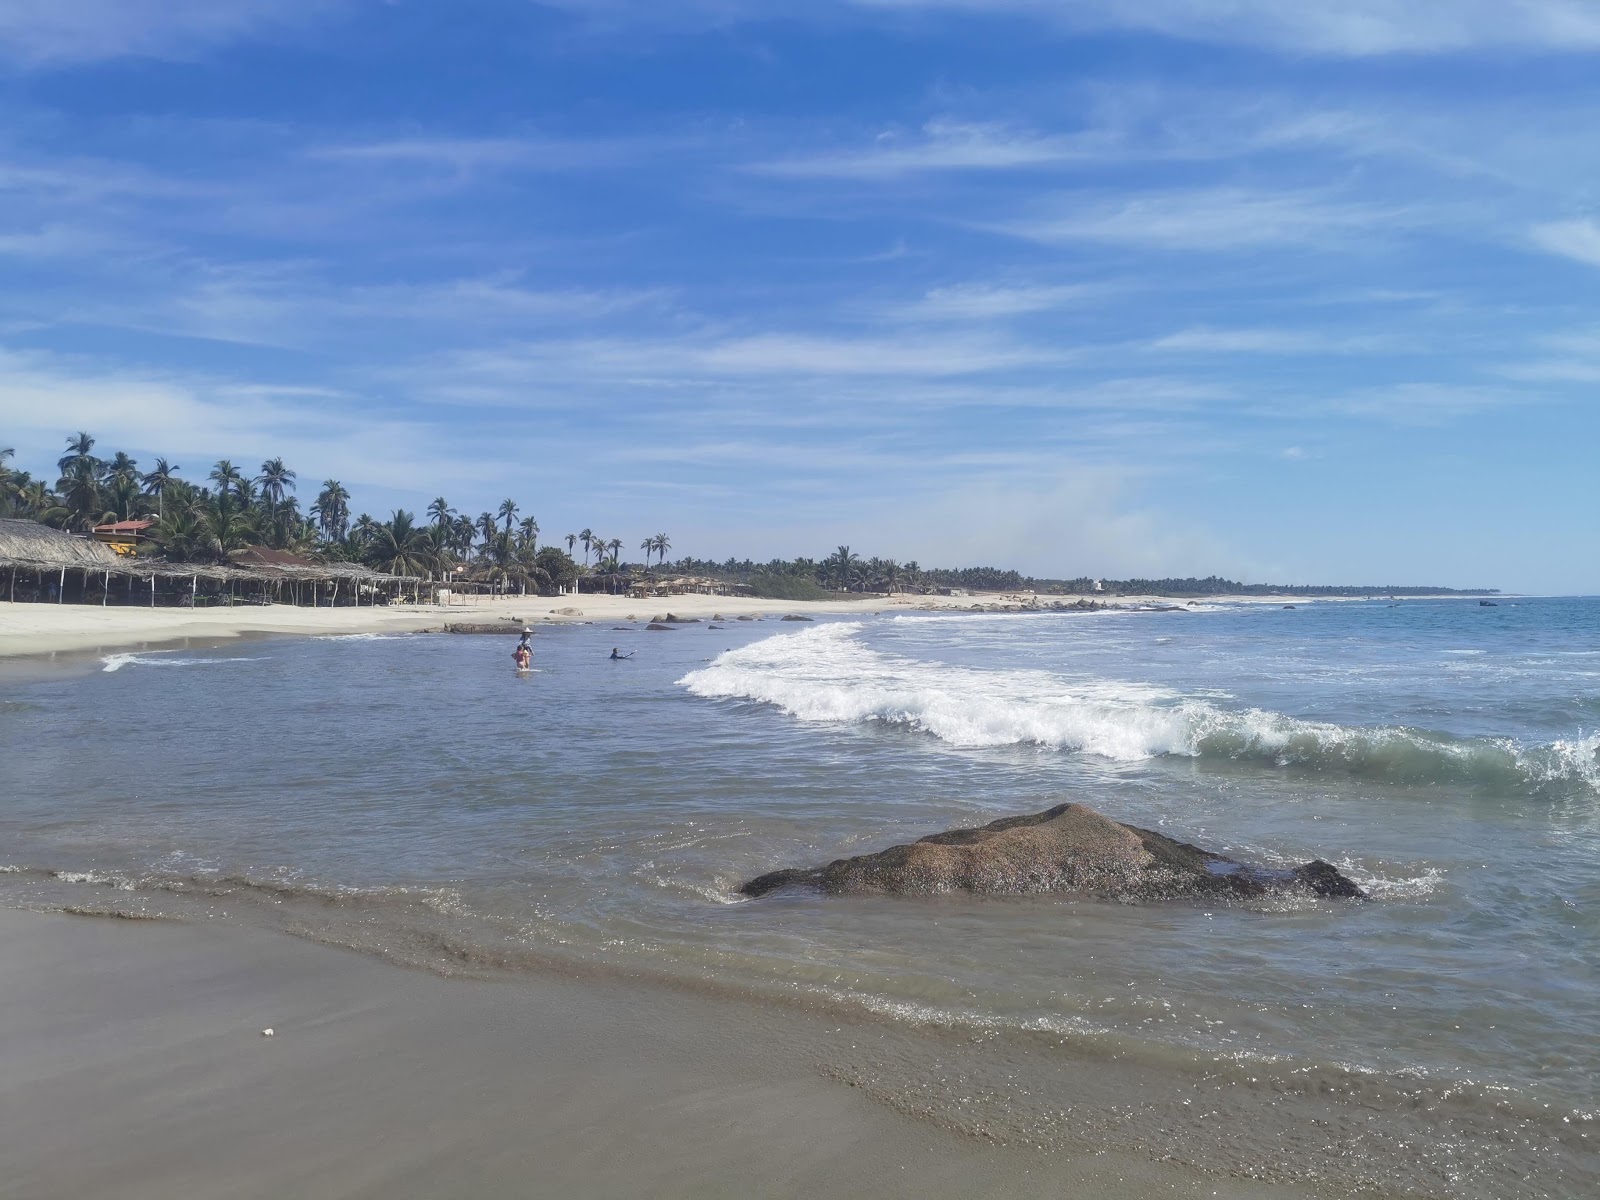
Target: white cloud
[(1216, 219), (43, 32), (993, 301), (1577, 239), (1206, 340), (944, 145), (1332, 27)]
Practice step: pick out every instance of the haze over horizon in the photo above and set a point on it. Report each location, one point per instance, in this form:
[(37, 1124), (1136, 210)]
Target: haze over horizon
[(1290, 294)]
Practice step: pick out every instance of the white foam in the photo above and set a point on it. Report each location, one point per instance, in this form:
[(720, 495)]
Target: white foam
[(116, 881), (115, 662), (827, 674)]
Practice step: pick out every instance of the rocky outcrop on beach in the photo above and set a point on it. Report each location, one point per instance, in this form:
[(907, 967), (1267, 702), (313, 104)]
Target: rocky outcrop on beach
[(511, 626), (1067, 849)]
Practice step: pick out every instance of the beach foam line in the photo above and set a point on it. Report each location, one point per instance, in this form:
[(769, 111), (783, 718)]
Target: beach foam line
[(828, 675), (148, 658)]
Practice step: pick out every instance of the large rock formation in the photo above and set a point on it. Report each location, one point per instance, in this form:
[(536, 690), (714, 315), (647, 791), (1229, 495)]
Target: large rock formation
[(1068, 848)]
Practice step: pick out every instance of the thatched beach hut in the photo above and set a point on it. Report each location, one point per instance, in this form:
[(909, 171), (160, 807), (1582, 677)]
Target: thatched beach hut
[(43, 564)]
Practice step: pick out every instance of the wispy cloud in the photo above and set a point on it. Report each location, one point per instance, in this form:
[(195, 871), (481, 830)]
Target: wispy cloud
[(944, 145), (1216, 219), (1355, 28), (48, 32), (1577, 239), (1206, 340), (996, 301)]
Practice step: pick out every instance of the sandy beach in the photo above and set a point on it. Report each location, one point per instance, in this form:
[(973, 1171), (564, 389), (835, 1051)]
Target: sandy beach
[(42, 629), (133, 1064)]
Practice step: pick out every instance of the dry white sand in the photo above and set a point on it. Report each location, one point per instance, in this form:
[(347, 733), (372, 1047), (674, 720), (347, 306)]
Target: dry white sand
[(132, 1065), (71, 628)]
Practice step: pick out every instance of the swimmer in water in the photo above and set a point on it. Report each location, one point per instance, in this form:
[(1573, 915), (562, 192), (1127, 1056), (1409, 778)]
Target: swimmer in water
[(615, 657), (523, 657)]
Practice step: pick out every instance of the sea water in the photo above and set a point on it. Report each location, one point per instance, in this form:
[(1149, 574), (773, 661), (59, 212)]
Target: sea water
[(412, 796)]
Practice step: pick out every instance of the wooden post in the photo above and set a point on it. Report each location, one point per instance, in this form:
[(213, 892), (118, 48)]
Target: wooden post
[(152, 590), (106, 591), (194, 589), (61, 588)]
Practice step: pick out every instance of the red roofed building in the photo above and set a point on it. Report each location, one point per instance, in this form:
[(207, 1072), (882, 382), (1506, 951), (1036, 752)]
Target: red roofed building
[(123, 536)]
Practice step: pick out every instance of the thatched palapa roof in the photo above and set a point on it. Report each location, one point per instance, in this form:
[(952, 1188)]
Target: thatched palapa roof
[(41, 548), (35, 547)]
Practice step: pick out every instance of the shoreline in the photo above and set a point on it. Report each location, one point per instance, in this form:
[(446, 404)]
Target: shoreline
[(132, 1063), (36, 630)]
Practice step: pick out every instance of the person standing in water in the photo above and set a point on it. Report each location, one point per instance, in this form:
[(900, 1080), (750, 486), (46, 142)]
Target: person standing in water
[(616, 657)]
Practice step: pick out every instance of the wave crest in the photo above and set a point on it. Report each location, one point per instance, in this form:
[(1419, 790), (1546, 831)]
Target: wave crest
[(827, 675)]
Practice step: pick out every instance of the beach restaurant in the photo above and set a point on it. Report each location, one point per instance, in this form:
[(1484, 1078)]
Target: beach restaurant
[(41, 564)]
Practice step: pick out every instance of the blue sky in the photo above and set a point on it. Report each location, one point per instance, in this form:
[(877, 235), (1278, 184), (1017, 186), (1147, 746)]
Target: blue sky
[(1288, 292)]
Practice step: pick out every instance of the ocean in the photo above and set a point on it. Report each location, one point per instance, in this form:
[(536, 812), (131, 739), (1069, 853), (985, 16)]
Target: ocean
[(410, 796)]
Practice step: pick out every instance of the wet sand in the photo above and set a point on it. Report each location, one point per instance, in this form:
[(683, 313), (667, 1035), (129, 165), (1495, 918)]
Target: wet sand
[(132, 1064)]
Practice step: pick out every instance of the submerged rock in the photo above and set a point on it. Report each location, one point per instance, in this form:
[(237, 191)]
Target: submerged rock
[(658, 627), (1068, 848)]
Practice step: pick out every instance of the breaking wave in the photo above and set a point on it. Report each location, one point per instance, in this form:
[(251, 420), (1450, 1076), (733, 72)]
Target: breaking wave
[(827, 675)]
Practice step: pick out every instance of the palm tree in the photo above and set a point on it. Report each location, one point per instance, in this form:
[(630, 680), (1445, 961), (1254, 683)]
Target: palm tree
[(615, 546), (81, 502), (228, 524), (225, 475), (364, 530), (332, 510), (648, 546), (844, 565), (121, 468), (399, 547), (508, 511), (33, 497), (663, 544), (572, 541), (487, 527), (465, 533), (530, 532), (587, 538), (276, 481), (440, 511), (183, 534), (78, 447), (156, 480)]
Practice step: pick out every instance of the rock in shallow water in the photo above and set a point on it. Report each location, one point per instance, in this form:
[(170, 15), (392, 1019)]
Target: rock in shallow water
[(1068, 848)]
